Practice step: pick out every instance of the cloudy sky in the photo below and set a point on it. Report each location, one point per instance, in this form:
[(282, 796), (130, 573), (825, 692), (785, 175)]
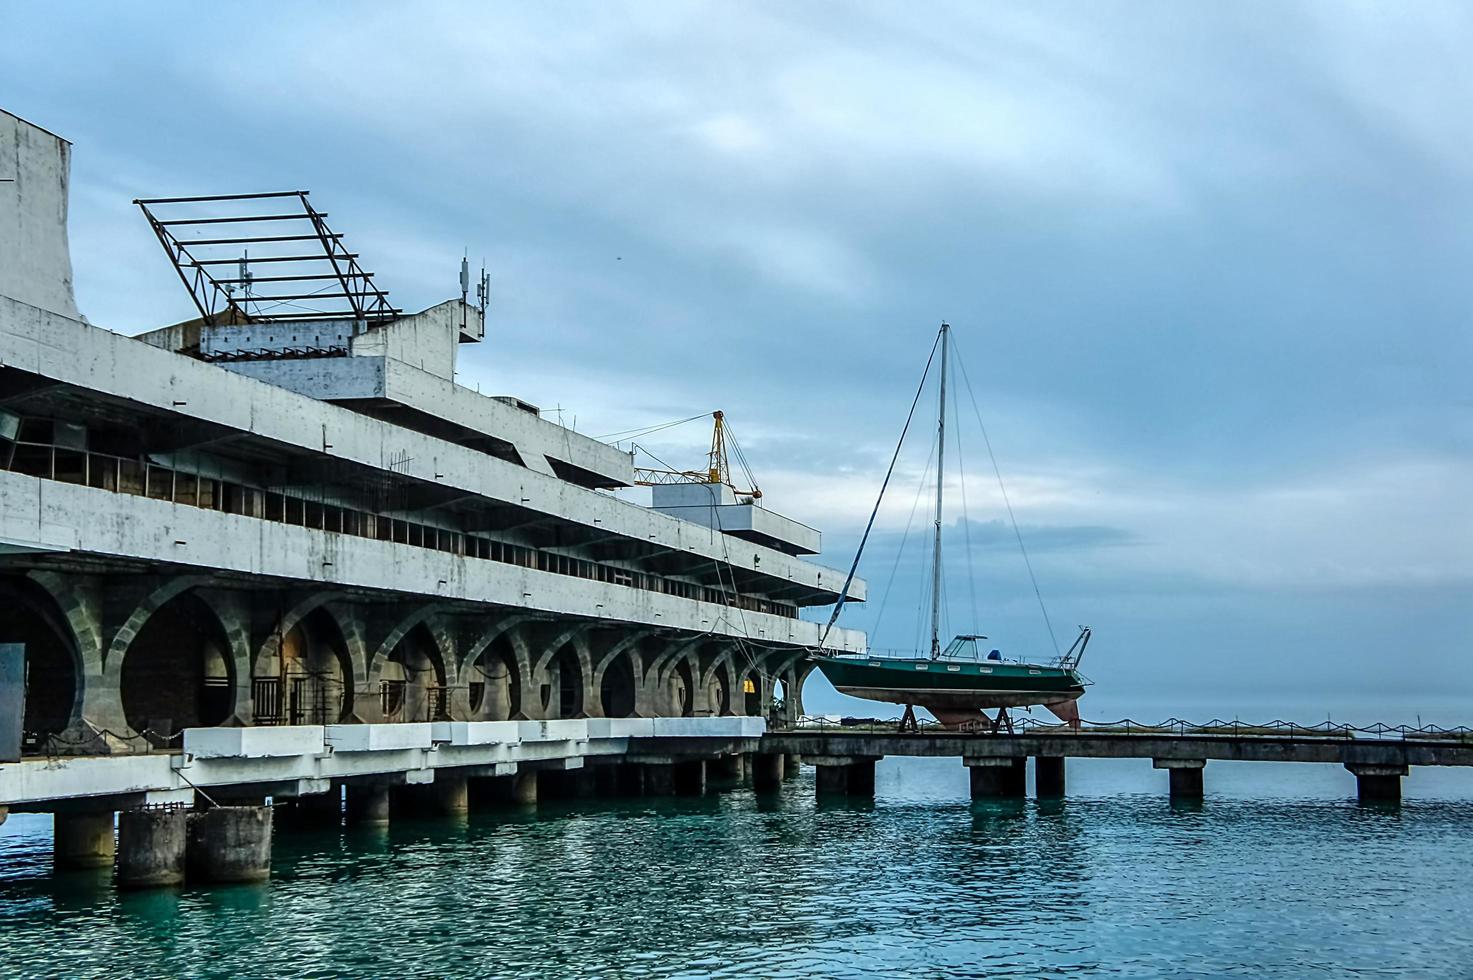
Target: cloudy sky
[(1208, 265)]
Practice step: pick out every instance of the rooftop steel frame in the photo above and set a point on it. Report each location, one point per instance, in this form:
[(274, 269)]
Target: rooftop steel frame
[(348, 291)]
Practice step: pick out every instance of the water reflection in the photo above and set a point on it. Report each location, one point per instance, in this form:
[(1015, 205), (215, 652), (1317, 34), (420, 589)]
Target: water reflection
[(919, 881)]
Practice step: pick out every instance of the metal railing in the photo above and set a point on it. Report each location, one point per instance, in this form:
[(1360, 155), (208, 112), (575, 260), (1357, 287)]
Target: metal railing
[(1235, 728)]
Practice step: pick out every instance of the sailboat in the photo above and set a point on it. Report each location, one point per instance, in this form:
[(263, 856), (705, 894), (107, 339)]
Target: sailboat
[(955, 683)]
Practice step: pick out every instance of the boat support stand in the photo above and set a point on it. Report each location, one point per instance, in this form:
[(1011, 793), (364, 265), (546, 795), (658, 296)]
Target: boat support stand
[(908, 720)]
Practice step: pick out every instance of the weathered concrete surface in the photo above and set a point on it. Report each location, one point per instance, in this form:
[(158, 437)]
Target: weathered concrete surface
[(151, 847), (83, 840), (1048, 777), (1165, 749), (401, 753), (990, 781), (35, 259), (230, 844)]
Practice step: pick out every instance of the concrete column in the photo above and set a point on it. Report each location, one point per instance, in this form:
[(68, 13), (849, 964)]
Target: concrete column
[(524, 787), (861, 777), (726, 770), (690, 777), (1048, 776), (230, 844), (831, 780), (151, 848), (767, 770), (791, 762), (998, 777), (1377, 783), (83, 840), (1185, 776), (450, 795), (368, 806)]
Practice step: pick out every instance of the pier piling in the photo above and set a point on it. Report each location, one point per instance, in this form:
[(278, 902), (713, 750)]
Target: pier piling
[(368, 806), (997, 777), (1048, 777), (1377, 783), (229, 844), (1185, 777), (83, 840), (151, 847), (767, 770)]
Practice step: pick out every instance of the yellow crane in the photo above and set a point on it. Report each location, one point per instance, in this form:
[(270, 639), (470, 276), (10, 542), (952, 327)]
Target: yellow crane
[(718, 465)]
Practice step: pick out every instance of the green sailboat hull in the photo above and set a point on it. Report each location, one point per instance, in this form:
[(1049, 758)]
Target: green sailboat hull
[(955, 691)]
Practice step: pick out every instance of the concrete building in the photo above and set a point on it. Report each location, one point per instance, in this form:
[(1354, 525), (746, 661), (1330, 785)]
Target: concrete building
[(247, 521)]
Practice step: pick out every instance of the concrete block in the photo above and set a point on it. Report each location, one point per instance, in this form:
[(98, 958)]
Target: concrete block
[(621, 727), (461, 733), (263, 742), (554, 730), (152, 847), (379, 738), (230, 844)]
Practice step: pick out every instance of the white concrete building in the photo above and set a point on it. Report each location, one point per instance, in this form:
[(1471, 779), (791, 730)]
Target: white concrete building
[(301, 519)]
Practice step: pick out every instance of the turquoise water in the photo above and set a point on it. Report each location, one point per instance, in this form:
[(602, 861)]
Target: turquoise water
[(1279, 874)]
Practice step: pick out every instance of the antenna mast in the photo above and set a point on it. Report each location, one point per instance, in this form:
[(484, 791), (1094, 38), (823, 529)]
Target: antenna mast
[(940, 483)]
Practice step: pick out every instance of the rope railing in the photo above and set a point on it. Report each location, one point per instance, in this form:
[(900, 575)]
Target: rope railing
[(1128, 726)]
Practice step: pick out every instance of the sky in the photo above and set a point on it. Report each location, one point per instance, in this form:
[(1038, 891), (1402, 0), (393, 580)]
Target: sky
[(1206, 264)]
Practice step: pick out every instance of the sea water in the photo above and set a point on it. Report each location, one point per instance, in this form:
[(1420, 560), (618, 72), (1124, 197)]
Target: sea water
[(1279, 873)]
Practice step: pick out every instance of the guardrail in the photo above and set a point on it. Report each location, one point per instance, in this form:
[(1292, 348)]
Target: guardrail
[(1172, 726)]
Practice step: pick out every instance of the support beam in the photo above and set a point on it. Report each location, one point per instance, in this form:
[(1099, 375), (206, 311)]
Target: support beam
[(151, 847), (230, 844), (83, 840), (1048, 777), (1377, 783), (998, 777), (1185, 777)]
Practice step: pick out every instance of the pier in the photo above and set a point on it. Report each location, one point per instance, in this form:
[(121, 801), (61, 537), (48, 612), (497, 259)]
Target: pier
[(1378, 756)]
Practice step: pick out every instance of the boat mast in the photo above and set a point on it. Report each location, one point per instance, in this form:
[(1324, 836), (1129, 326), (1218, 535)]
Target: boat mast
[(940, 483)]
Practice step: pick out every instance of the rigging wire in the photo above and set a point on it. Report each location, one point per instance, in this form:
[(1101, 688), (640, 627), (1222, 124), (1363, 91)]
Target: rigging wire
[(648, 430), (904, 540), (849, 579), (1009, 504)]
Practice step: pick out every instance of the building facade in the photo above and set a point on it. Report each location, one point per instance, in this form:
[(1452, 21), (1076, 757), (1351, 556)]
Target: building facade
[(234, 521)]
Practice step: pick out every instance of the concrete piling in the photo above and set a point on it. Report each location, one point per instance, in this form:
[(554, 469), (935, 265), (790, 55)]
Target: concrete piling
[(229, 844), (152, 844), (791, 763), (997, 777), (1048, 777), (83, 840), (629, 779), (767, 770), (318, 809), (368, 806), (524, 787), (844, 775), (1185, 777), (1376, 783)]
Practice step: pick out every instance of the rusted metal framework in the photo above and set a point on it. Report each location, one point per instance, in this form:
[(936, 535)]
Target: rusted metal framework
[(296, 247)]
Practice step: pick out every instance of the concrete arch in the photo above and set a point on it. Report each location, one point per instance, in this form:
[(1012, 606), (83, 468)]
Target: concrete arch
[(78, 607), (414, 675), (305, 672), (473, 671), (289, 618), (617, 678), (421, 615), (173, 687), (56, 672), (123, 638)]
